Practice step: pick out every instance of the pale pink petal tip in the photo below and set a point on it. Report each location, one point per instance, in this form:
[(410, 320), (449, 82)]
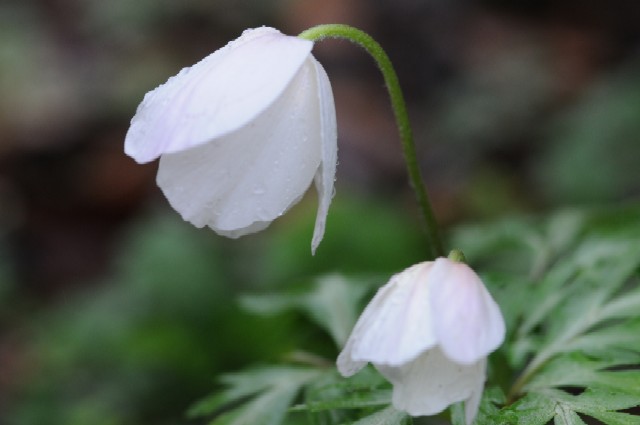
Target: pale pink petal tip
[(467, 320)]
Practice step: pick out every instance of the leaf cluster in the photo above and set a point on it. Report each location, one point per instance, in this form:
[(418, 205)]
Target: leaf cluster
[(573, 351), (568, 287)]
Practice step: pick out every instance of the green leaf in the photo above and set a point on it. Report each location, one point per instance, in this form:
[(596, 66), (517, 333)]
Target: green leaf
[(356, 400), (264, 395), (607, 399), (332, 399), (492, 398), (532, 409), (564, 408), (587, 277), (620, 340), (566, 416), (365, 389), (568, 286), (615, 418), (388, 416), (332, 302), (577, 370), (576, 312), (597, 404), (334, 305)]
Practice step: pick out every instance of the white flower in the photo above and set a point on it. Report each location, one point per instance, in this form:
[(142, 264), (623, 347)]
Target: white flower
[(242, 134), (428, 331)]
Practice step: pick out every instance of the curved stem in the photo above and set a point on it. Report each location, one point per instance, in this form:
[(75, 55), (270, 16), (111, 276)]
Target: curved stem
[(400, 111)]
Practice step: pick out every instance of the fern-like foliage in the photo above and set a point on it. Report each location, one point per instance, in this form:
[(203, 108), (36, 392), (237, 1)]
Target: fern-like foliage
[(569, 289), (575, 323), (255, 396)]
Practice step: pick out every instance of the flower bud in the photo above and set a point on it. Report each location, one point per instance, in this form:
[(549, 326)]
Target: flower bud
[(428, 331)]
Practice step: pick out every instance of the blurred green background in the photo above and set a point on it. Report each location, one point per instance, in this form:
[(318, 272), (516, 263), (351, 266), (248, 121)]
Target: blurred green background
[(115, 311)]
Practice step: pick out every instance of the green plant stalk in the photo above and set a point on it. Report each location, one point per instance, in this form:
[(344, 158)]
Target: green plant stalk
[(374, 49)]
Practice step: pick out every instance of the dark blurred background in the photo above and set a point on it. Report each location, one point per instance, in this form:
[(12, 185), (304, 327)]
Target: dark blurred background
[(114, 311)]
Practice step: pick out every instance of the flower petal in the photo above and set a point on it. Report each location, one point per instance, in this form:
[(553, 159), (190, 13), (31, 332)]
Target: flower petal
[(396, 325), (472, 404), (216, 96), (239, 183), (346, 364), (326, 174), (467, 321), (431, 382)]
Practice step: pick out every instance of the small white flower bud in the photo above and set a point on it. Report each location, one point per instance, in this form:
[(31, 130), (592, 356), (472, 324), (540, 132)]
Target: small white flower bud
[(428, 331)]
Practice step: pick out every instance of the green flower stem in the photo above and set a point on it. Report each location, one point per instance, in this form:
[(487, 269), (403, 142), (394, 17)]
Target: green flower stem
[(400, 111)]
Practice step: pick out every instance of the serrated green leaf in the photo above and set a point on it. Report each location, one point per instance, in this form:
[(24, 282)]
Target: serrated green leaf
[(601, 399), (356, 400), (367, 379), (388, 416), (576, 370), (268, 408), (572, 305), (566, 416), (532, 409), (616, 418), (607, 341), (332, 399), (264, 394), (588, 279), (544, 298), (579, 324), (599, 404)]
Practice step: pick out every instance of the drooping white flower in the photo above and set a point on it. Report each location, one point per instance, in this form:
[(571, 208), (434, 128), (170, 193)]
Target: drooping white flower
[(242, 134), (428, 331)]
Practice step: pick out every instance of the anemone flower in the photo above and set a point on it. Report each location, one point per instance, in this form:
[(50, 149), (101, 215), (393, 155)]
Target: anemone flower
[(428, 331), (242, 134)]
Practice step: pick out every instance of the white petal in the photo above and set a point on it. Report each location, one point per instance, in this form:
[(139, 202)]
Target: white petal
[(431, 382), (467, 321), (239, 183), (325, 176), (396, 325), (472, 403), (347, 366), (216, 96)]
